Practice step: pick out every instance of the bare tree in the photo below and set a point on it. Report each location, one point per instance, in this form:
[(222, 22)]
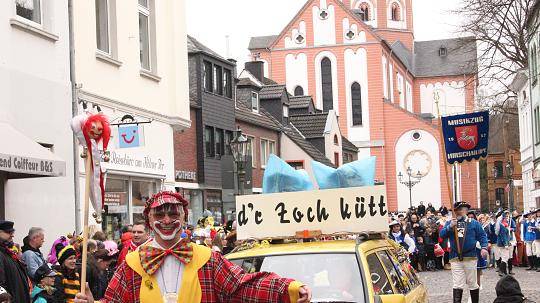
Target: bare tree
[(500, 30)]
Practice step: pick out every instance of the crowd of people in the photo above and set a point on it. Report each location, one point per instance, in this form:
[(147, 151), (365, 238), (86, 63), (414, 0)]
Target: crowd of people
[(509, 240), (499, 240)]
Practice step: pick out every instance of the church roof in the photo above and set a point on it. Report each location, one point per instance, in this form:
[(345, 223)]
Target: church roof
[(461, 57), (262, 42), (310, 125)]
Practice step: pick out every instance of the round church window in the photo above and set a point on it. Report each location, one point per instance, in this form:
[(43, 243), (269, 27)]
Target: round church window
[(416, 136)]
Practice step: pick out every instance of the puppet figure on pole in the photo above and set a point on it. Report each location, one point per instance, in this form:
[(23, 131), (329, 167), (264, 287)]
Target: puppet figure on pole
[(93, 132)]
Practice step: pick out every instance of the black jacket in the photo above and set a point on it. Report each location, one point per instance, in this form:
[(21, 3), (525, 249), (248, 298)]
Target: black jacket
[(13, 277), (509, 291)]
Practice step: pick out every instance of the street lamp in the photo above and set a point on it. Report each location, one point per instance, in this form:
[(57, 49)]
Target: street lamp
[(510, 174), (495, 173), (239, 147), (410, 182)]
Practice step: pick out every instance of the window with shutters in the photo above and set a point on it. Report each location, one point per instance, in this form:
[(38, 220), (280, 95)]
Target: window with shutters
[(356, 104), (327, 89)]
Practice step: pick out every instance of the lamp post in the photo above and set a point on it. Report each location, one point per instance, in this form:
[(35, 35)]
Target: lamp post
[(495, 176), (510, 175), (239, 146), (410, 182)]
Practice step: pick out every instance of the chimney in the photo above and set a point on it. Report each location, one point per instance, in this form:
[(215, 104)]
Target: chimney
[(256, 68)]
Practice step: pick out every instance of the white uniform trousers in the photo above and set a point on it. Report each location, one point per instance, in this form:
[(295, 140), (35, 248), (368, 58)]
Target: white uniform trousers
[(536, 248), (529, 248), (464, 274), (505, 253)]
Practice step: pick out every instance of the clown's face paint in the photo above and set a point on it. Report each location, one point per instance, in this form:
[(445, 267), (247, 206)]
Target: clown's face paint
[(167, 221)]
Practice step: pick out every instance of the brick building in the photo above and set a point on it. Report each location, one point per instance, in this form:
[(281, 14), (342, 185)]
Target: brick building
[(504, 149), (359, 59)]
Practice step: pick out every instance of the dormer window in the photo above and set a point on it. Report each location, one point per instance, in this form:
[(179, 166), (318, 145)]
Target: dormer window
[(443, 51), (255, 102), (395, 12), (364, 12)]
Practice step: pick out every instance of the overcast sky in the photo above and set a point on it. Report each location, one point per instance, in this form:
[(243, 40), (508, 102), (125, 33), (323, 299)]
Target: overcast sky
[(210, 21)]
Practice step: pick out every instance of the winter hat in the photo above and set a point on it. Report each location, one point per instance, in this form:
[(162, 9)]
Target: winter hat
[(508, 290), (462, 204), (63, 253)]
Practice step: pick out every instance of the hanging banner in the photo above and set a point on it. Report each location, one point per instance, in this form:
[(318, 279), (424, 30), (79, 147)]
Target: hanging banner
[(355, 209), (466, 136)]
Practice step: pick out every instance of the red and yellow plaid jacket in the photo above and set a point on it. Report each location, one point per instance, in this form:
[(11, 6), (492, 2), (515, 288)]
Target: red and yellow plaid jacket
[(221, 282)]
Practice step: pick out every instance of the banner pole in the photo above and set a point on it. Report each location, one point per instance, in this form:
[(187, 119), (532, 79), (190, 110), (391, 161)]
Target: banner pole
[(86, 210)]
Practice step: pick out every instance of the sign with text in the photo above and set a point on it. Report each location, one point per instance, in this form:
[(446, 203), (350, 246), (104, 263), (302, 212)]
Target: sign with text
[(32, 166), (356, 209), (466, 136)]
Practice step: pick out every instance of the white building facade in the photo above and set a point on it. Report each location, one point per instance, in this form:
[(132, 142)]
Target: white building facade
[(36, 153), (131, 62)]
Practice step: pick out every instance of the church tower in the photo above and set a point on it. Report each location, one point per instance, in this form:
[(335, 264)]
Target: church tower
[(391, 19)]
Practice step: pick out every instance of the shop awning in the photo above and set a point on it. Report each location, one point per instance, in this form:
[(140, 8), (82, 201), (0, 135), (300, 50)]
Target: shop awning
[(21, 157)]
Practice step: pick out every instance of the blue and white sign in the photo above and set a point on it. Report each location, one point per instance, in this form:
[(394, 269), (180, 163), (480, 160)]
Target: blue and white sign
[(466, 136), (129, 136)]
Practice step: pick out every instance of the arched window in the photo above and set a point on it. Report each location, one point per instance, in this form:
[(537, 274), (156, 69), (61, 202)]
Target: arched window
[(364, 11), (336, 140), (395, 12), (356, 104), (327, 89), (298, 91)]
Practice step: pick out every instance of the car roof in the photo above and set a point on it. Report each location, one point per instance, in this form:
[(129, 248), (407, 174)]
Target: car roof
[(335, 246)]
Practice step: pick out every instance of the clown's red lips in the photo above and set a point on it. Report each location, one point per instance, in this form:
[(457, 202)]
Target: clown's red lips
[(168, 229)]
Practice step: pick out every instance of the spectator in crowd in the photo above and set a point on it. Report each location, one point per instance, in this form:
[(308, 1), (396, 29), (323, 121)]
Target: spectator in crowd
[(32, 256), (430, 208), (99, 236), (67, 282), (421, 211), (140, 236), (5, 297), (217, 243), (13, 277), (51, 259), (397, 234), (421, 254), (44, 291), (414, 225), (97, 277)]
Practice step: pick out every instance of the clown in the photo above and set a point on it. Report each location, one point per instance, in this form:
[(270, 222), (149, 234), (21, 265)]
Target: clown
[(169, 268), (91, 130)]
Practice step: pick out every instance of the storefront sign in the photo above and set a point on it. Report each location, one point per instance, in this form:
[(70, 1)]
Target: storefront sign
[(357, 209), (466, 136), (129, 136), (31, 166), (186, 175), (115, 198), (136, 161)]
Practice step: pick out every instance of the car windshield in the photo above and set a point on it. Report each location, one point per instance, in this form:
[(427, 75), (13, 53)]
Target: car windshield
[(331, 277)]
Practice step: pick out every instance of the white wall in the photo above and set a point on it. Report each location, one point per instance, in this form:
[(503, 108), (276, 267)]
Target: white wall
[(125, 83), (429, 189), (331, 130), (356, 71), (292, 152), (296, 72), (35, 98), (359, 35), (324, 31), (451, 97)]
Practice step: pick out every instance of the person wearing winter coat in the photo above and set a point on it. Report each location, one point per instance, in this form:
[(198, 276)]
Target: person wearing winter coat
[(397, 234), (97, 277), (32, 256), (68, 281), (503, 230), (509, 291), (13, 277), (44, 291)]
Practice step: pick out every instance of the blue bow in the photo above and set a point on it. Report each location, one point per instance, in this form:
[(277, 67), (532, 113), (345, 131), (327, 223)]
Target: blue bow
[(354, 174), (281, 177)]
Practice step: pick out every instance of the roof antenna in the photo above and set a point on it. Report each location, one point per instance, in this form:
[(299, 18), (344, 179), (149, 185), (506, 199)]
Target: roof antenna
[(227, 47)]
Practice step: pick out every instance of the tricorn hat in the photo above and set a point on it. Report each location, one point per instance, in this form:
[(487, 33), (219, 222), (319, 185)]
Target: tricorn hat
[(461, 204)]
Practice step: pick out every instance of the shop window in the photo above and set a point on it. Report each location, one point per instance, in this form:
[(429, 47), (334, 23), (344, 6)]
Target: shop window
[(327, 88), (227, 83), (220, 143), (195, 198), (207, 76), (218, 80), (29, 9), (209, 142), (116, 207), (140, 192), (378, 276)]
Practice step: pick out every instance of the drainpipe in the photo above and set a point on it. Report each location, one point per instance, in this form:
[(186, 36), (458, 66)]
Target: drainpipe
[(74, 112)]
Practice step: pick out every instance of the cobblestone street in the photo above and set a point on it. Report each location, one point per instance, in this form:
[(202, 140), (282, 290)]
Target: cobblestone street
[(439, 285)]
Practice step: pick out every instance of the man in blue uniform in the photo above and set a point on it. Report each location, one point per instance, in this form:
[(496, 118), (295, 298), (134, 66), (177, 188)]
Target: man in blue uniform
[(463, 234), (503, 229), (528, 234), (536, 246)]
